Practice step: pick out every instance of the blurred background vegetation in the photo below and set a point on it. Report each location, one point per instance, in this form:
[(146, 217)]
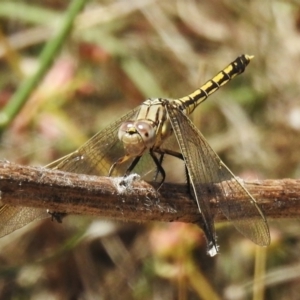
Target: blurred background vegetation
[(118, 54)]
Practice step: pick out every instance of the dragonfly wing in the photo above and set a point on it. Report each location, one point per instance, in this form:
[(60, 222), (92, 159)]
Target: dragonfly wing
[(211, 179), (245, 214), (97, 155), (189, 141), (94, 158), (14, 217)]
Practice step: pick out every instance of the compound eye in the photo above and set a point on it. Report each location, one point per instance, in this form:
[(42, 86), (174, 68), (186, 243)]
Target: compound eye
[(147, 132), (126, 127)]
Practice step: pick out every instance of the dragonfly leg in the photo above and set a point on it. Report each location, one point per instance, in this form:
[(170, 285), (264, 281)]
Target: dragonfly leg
[(130, 168), (180, 156), (159, 167), (56, 216), (160, 163), (111, 169), (120, 161), (132, 165)]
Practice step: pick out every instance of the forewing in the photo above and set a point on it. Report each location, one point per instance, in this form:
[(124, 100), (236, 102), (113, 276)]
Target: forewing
[(97, 155), (188, 140), (94, 158), (211, 179)]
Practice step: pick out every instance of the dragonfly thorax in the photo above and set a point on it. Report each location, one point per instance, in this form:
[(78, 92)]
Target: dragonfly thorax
[(137, 136)]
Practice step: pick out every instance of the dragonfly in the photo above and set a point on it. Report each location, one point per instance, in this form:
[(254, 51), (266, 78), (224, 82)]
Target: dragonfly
[(141, 139)]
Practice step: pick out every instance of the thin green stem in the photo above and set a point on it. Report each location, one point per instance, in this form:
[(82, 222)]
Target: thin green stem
[(46, 59)]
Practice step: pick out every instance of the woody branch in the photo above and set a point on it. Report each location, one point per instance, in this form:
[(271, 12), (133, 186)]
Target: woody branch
[(137, 201)]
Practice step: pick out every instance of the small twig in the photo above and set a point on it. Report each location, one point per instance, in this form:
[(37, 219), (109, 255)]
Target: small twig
[(133, 200)]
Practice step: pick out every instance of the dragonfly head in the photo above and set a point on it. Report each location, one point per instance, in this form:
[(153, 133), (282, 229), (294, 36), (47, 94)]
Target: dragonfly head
[(137, 136)]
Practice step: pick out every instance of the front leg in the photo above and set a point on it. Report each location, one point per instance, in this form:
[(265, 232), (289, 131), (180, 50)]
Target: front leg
[(179, 155), (159, 167)]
